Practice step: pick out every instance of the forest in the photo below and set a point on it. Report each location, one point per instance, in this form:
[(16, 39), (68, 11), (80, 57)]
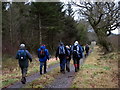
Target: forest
[(38, 23), (47, 23)]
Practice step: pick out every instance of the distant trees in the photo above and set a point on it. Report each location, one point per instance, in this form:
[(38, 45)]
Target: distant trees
[(103, 17), (36, 24)]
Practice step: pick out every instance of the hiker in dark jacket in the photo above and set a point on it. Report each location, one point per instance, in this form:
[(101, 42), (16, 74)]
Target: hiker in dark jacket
[(68, 58), (77, 53), (62, 53), (87, 50), (43, 56), (23, 55)]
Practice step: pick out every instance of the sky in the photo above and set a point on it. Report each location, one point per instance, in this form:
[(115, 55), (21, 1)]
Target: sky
[(117, 31)]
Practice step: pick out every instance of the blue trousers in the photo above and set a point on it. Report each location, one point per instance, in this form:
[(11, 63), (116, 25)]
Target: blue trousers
[(62, 64), (41, 65)]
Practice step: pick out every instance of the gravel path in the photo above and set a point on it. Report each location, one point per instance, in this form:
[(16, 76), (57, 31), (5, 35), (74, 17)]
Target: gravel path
[(31, 78), (64, 80)]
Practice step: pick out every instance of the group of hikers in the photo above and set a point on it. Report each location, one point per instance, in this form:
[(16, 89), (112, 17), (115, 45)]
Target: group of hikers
[(64, 53)]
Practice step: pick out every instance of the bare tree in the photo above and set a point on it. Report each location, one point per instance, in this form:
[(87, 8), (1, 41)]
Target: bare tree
[(102, 16)]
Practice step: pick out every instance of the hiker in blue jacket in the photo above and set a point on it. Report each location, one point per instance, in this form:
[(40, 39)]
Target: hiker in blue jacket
[(23, 55), (43, 56), (77, 53), (62, 53)]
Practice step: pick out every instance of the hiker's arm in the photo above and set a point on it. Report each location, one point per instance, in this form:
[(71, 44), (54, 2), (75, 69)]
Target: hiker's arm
[(71, 50), (66, 51), (38, 51), (81, 51), (29, 56), (47, 52)]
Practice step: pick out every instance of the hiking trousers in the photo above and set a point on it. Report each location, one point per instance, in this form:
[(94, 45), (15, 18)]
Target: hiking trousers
[(68, 65), (23, 71), (62, 64), (76, 63), (41, 65)]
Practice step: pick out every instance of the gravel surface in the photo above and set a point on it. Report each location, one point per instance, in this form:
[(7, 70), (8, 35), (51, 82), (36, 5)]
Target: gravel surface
[(31, 78), (64, 80)]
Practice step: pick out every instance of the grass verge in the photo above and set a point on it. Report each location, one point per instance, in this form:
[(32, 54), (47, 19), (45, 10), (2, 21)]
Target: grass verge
[(11, 72), (98, 71)]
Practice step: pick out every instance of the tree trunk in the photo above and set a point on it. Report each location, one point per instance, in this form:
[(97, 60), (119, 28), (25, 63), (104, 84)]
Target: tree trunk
[(11, 25), (40, 31), (102, 38)]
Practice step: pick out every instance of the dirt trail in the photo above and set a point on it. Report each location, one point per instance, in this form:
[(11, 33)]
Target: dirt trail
[(31, 78), (64, 80)]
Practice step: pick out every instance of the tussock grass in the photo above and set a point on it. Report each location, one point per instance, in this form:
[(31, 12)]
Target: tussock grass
[(44, 80), (11, 72), (98, 71)]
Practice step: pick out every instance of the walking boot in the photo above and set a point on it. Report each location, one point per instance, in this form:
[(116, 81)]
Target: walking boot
[(45, 72), (76, 69), (23, 80), (40, 72), (68, 69), (63, 71)]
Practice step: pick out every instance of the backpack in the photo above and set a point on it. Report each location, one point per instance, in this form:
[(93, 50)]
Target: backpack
[(22, 55), (61, 50), (42, 53), (76, 51)]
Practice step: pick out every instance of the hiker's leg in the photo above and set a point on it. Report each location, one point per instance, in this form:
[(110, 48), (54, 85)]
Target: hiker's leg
[(21, 70), (78, 63), (41, 65), (75, 64), (45, 64), (24, 71), (68, 65), (60, 65), (63, 62)]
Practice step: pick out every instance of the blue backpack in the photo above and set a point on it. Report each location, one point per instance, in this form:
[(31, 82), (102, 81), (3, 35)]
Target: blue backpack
[(22, 55), (61, 50)]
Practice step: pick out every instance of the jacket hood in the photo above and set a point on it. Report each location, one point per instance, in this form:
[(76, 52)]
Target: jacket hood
[(42, 47)]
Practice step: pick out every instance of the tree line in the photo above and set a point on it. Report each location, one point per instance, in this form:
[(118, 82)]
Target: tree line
[(47, 23), (36, 24)]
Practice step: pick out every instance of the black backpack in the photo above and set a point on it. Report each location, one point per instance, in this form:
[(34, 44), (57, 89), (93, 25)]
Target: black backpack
[(42, 53), (61, 50), (75, 51), (22, 55)]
